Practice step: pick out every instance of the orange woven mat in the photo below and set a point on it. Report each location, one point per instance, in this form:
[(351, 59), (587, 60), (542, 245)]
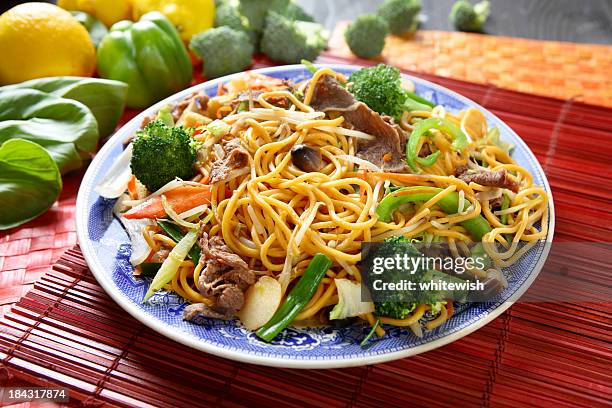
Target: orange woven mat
[(551, 68)]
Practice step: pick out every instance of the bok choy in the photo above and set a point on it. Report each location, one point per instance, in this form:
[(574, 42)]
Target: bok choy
[(171, 265)]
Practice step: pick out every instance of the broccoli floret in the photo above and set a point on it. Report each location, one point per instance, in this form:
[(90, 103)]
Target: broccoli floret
[(256, 11), (224, 51), (227, 13), (289, 41), (380, 88), (162, 153), (395, 310), (466, 17), (401, 15), (366, 35), (293, 11)]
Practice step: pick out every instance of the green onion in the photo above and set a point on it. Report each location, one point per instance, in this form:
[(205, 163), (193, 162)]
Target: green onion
[(504, 206), (370, 334), (297, 298), (420, 99)]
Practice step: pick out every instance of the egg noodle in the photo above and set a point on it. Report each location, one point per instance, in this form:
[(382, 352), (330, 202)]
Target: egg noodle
[(276, 216)]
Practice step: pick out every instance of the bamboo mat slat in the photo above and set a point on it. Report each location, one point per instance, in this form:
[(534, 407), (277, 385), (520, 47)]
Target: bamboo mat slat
[(64, 330), (552, 68)]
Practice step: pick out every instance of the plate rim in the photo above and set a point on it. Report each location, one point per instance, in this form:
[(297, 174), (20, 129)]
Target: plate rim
[(105, 279)]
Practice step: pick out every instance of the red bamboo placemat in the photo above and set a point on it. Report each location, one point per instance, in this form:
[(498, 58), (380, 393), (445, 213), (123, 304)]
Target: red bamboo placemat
[(66, 331)]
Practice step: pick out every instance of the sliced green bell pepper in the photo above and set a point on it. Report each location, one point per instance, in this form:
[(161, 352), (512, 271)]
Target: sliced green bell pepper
[(412, 155), (477, 227), (148, 55)]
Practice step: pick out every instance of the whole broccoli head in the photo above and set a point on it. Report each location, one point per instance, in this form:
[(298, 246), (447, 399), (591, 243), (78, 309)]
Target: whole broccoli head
[(366, 35), (401, 15), (223, 50), (380, 88), (228, 14), (466, 17), (290, 41), (161, 153)]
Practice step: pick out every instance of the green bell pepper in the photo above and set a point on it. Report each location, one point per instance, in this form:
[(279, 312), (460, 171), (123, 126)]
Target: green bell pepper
[(459, 141), (148, 55), (477, 227)]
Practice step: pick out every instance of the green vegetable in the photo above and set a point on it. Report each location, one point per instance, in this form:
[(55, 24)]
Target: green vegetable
[(162, 153), (437, 296), (104, 98), (256, 11), (169, 267), (290, 41), (149, 269), (294, 11), (96, 29), (223, 50), (30, 182), (494, 137), (398, 305), (349, 300), (370, 334), (401, 15), (366, 35), (419, 99), (148, 55), (176, 234), (466, 17), (309, 66), (504, 206), (228, 14), (478, 251), (219, 128), (477, 226), (165, 115), (413, 105), (380, 88), (459, 141), (396, 309), (297, 298), (64, 127)]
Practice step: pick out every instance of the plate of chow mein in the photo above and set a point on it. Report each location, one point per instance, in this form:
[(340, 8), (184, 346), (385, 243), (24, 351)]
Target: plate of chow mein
[(232, 217)]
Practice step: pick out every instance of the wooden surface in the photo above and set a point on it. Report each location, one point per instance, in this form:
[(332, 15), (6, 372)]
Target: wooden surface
[(585, 21), (579, 72)]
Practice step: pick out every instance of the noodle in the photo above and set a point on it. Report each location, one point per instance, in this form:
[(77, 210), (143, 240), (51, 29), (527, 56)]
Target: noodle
[(277, 217)]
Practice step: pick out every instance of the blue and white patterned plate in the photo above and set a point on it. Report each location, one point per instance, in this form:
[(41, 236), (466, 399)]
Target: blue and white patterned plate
[(106, 248)]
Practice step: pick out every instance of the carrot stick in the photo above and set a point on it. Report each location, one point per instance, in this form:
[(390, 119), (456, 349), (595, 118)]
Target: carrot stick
[(180, 199), (132, 187)]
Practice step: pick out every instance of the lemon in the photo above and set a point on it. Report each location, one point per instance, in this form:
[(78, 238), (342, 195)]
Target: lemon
[(40, 40), (190, 17), (107, 11)]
